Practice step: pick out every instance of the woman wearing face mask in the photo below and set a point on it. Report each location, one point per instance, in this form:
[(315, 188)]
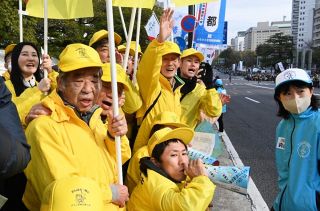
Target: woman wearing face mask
[(27, 84), (297, 143)]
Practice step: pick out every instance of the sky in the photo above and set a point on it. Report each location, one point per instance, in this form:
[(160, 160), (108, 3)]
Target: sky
[(243, 14)]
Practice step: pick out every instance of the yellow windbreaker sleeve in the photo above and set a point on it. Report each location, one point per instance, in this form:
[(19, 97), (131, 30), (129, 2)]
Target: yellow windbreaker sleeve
[(133, 100), (25, 101), (211, 103), (125, 148), (198, 192), (55, 157), (148, 73)]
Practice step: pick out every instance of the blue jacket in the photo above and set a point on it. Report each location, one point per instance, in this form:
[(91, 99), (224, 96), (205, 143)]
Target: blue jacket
[(14, 150), (222, 90), (297, 158)]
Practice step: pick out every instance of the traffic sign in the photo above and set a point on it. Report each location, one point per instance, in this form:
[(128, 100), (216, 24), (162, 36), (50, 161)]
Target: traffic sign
[(188, 23)]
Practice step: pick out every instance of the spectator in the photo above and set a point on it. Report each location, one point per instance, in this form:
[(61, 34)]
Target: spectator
[(73, 140), (164, 119), (155, 77), (297, 142), (163, 184), (27, 84), (15, 154), (7, 61), (222, 91), (196, 96)]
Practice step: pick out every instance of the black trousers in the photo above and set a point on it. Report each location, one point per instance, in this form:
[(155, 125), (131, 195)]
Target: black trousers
[(220, 121)]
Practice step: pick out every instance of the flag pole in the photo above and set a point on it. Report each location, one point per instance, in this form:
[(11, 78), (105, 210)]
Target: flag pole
[(126, 55), (45, 34), (20, 21), (123, 23), (136, 47), (114, 84)]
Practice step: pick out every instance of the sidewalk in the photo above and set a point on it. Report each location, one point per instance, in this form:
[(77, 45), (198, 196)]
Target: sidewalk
[(228, 200)]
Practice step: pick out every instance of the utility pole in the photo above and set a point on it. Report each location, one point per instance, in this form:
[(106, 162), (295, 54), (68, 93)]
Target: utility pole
[(190, 34)]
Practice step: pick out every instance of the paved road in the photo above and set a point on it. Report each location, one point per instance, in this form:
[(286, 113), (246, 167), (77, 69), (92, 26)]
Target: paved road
[(250, 123)]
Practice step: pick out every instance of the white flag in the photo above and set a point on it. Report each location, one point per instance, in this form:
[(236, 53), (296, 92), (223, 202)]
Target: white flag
[(152, 27), (280, 65)]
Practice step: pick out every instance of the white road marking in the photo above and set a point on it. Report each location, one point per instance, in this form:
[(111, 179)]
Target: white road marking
[(248, 98), (264, 87)]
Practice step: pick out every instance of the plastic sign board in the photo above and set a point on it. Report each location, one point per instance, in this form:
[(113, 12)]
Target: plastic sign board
[(188, 23)]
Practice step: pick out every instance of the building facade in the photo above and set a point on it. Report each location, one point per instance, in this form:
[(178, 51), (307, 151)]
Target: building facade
[(238, 42), (303, 14), (255, 36)]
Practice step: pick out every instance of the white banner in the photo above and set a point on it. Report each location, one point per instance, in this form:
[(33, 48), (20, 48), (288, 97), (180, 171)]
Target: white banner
[(152, 27)]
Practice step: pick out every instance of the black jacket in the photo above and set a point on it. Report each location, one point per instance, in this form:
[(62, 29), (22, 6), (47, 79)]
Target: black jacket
[(14, 150)]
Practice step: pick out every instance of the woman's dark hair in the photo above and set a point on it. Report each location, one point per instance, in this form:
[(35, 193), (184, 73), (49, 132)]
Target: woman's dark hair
[(158, 151), (282, 112), (16, 74)]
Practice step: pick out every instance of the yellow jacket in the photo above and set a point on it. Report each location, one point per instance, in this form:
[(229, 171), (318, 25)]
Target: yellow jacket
[(133, 172), (151, 82), (6, 75), (133, 100), (157, 193), (200, 98), (29, 97), (63, 145)]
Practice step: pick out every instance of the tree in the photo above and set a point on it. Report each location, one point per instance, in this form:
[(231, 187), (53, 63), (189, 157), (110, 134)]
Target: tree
[(64, 32), (249, 58), (230, 57), (278, 48)]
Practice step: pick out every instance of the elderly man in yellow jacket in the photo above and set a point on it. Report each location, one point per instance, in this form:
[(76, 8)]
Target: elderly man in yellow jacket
[(72, 140), (99, 41), (197, 94), (155, 77)]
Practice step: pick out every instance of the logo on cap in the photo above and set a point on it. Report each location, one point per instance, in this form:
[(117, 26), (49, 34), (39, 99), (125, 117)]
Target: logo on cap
[(82, 53), (290, 75)]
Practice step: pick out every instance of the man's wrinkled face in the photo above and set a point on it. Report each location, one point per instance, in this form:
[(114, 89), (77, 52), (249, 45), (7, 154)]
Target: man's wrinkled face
[(170, 64), (81, 88)]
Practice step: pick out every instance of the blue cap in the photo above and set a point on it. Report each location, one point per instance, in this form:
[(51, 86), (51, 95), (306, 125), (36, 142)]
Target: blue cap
[(219, 82)]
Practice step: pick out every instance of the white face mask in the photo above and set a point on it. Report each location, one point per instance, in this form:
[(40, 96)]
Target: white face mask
[(297, 105)]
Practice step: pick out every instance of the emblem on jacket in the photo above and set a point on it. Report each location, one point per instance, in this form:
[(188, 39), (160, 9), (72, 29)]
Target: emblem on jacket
[(281, 143), (80, 196), (304, 149)]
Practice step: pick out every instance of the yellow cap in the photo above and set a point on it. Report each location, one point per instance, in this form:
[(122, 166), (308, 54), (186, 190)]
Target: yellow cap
[(122, 48), (72, 194), (99, 35), (170, 47), (78, 56), (192, 52), (167, 118), (184, 134), (121, 75), (9, 49)]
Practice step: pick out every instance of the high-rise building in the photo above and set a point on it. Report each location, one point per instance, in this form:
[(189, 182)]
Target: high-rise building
[(316, 25), (238, 42), (255, 36), (302, 31)]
